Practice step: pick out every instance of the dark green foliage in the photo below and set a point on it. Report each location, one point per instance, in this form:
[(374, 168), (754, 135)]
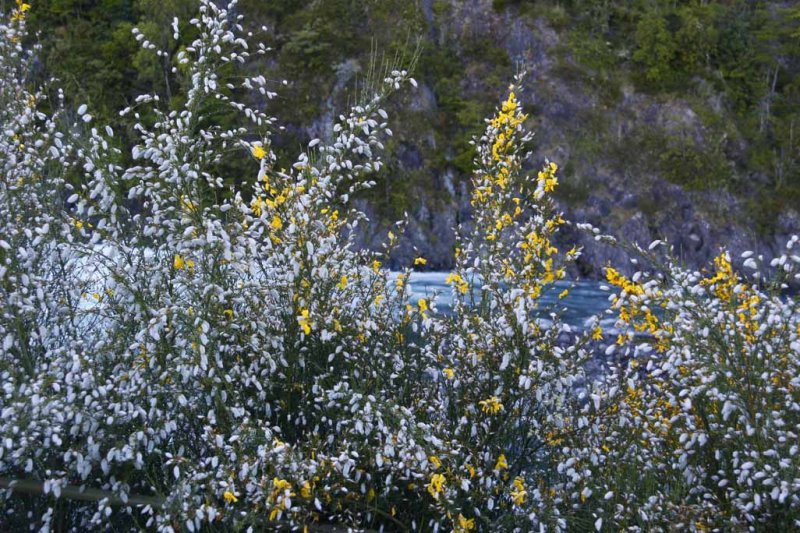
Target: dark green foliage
[(745, 55), (684, 162), (655, 50)]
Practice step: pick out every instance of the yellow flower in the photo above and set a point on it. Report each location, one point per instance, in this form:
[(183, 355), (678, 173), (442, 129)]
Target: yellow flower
[(448, 373), (423, 305), (304, 321), (228, 313), (342, 283), (547, 177), (563, 294), (519, 494), (597, 333), (435, 461), (471, 470), (436, 486), (257, 205), (18, 15), (700, 526), (305, 490), (491, 405), (279, 486), (501, 462), (230, 497), (464, 525), (511, 103), (376, 265), (281, 490), (276, 223), (420, 261), (500, 145), (618, 280), (724, 280), (188, 204), (178, 263), (259, 152), (552, 438), (454, 279)]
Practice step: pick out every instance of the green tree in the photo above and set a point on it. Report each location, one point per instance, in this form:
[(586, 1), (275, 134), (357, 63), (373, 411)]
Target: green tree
[(655, 49)]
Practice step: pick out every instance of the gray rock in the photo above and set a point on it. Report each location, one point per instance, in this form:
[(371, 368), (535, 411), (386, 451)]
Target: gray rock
[(637, 207)]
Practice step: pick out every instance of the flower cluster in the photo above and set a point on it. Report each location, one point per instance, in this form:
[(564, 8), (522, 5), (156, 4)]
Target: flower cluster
[(706, 416)]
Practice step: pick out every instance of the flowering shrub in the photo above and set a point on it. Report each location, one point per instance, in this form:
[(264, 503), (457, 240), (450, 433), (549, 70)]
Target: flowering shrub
[(208, 357), (708, 415)]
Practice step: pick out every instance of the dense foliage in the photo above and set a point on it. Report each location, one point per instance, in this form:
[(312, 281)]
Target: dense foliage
[(223, 357), (735, 63)]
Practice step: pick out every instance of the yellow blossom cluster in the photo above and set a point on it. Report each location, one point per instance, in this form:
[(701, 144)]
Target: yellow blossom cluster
[(518, 493), (259, 152), (506, 122), (281, 492), (491, 405), (19, 13), (305, 321), (463, 524), (724, 280), (547, 178), (458, 282), (179, 263), (436, 485), (634, 312)]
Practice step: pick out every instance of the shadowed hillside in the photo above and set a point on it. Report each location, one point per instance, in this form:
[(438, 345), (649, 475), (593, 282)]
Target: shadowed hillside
[(673, 120)]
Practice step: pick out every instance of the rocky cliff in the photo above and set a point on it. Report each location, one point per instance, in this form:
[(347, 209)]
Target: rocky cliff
[(639, 166), (669, 120)]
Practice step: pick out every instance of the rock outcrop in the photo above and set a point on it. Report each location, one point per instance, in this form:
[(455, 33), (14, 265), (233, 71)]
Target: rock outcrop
[(630, 163)]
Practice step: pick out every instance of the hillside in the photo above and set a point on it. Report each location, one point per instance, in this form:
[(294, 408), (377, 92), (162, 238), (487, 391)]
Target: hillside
[(673, 120)]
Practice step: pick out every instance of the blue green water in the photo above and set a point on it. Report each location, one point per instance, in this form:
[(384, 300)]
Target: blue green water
[(586, 299)]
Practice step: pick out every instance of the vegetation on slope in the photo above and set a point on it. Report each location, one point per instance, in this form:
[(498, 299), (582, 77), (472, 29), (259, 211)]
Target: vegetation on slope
[(736, 64)]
